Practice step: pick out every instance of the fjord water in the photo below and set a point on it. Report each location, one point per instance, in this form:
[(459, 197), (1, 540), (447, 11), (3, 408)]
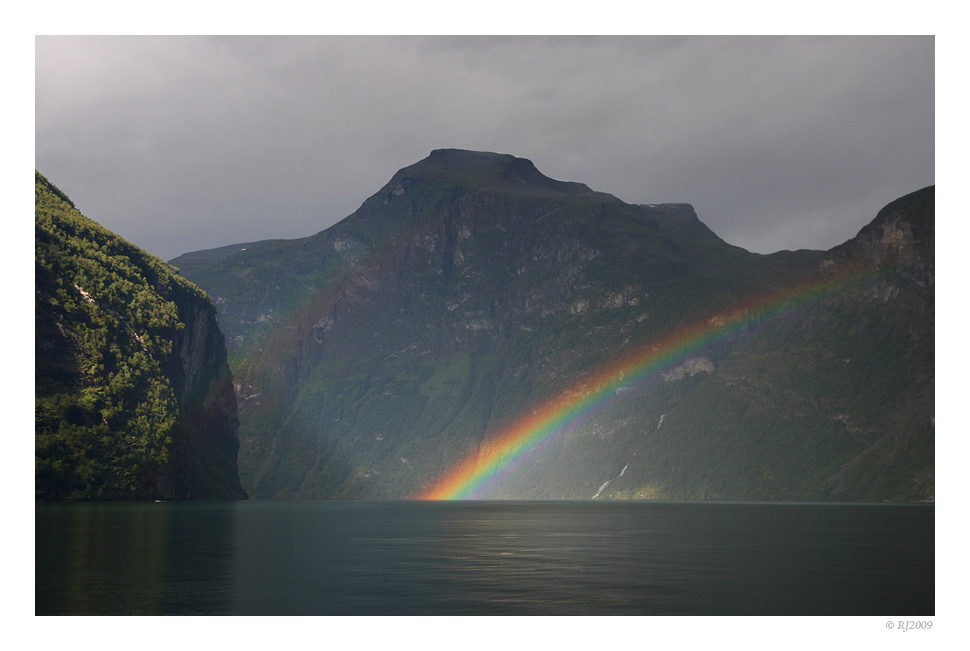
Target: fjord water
[(506, 557)]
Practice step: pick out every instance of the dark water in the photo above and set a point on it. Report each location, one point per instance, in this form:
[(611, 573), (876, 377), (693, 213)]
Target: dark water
[(535, 558)]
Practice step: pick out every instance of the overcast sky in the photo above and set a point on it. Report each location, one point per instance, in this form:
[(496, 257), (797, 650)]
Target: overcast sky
[(186, 143)]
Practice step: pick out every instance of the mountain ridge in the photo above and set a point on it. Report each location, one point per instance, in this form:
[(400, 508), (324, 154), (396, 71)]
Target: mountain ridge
[(376, 354)]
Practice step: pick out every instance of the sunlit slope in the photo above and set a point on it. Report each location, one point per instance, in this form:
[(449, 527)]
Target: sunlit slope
[(133, 394), (471, 290)]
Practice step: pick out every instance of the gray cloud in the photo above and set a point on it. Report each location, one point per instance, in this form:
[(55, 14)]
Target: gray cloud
[(187, 143)]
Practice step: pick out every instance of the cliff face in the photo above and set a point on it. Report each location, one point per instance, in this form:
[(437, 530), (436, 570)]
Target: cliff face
[(207, 444), (471, 289), (134, 396)]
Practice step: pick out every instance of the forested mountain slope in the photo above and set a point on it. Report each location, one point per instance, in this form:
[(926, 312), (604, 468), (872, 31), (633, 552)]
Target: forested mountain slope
[(133, 394)]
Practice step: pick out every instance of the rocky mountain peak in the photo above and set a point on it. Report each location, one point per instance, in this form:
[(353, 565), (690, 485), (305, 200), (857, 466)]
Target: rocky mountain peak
[(477, 169), (902, 236)]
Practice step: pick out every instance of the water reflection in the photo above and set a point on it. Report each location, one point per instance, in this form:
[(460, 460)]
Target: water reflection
[(532, 560), (401, 558), (132, 558)]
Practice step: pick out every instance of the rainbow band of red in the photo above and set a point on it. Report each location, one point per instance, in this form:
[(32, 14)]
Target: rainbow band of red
[(469, 477)]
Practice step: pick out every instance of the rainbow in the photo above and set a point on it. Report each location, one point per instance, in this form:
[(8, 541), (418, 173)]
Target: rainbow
[(473, 475)]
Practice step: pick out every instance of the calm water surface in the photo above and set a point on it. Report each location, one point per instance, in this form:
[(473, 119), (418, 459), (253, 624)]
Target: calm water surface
[(438, 558)]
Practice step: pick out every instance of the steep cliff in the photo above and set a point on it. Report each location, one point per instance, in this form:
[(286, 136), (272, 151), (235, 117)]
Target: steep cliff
[(133, 393), (471, 290)]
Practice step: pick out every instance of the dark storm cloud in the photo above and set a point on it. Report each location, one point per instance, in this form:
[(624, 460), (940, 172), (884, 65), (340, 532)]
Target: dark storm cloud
[(186, 143)]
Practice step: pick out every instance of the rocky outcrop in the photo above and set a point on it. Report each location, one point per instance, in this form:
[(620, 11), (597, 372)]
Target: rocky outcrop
[(689, 368), (901, 238)]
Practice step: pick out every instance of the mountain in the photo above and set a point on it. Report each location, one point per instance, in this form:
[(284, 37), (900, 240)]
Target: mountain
[(474, 311), (133, 394)]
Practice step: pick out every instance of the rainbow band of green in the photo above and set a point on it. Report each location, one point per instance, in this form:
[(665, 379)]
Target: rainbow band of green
[(472, 474)]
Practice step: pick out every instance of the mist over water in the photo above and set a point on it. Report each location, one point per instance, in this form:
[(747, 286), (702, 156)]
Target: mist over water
[(505, 557)]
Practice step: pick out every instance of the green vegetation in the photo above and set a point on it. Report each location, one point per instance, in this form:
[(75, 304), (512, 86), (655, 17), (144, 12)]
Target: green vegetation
[(108, 415), (471, 289)]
